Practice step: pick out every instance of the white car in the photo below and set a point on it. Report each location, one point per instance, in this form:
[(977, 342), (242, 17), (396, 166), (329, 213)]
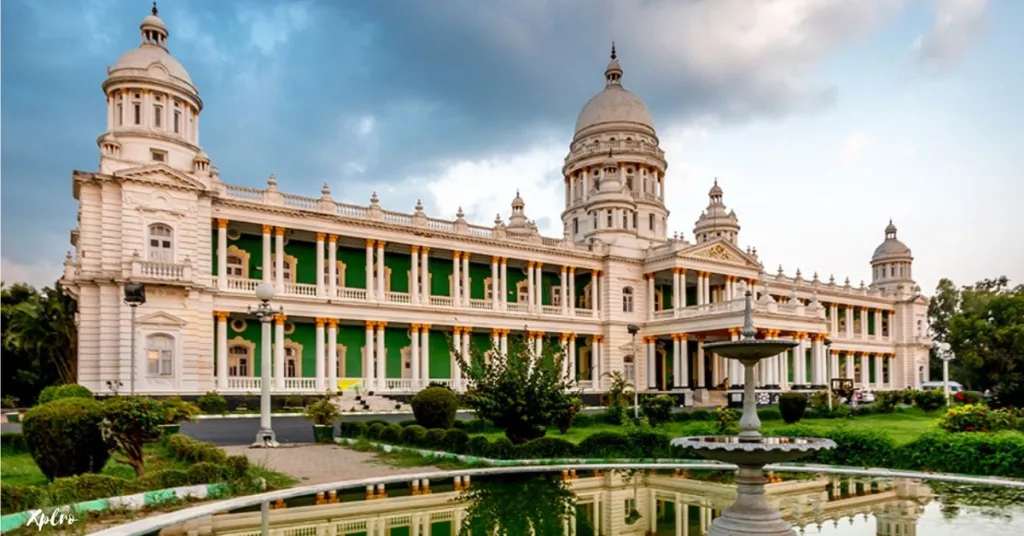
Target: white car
[(863, 397), (954, 387)]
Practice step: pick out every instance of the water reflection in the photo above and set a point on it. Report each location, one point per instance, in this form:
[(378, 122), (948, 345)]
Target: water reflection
[(588, 502)]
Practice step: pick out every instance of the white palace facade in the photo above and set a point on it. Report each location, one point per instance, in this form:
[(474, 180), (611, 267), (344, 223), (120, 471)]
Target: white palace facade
[(361, 303)]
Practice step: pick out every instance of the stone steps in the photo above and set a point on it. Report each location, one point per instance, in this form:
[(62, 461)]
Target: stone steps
[(347, 400)]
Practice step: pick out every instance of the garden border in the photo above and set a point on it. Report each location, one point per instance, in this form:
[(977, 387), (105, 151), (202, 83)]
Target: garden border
[(134, 501)]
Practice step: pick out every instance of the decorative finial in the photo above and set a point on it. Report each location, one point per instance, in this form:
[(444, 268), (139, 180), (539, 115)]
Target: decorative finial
[(613, 42), (798, 273), (847, 281), (517, 192), (716, 181), (497, 219), (374, 199), (272, 181), (326, 190), (748, 332), (831, 279), (890, 221), (155, 12), (419, 205), (780, 269), (460, 214)]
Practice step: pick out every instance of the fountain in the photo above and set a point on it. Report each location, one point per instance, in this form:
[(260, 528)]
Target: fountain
[(751, 514)]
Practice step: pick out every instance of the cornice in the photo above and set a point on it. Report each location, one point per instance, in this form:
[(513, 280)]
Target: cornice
[(116, 79)]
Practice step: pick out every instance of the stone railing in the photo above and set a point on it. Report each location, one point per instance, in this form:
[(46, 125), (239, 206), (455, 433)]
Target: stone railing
[(161, 271)]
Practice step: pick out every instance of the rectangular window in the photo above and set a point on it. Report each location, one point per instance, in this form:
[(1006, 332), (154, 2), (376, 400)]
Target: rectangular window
[(158, 156), (625, 220), (650, 222), (635, 219), (177, 121), (120, 114), (159, 362), (575, 226), (138, 113), (610, 223), (158, 115)]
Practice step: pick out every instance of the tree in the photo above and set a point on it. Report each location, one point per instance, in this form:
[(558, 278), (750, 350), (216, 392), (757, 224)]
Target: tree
[(40, 339), (129, 423), (499, 507), (521, 392), (984, 326)]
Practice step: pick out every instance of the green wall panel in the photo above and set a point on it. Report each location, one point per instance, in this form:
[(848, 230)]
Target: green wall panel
[(213, 251), (478, 276), (480, 340), (304, 334), (691, 295), (807, 366), (353, 338), (400, 265), (398, 531), (355, 266), (581, 280), (513, 276), (440, 272), (441, 528), (395, 339), (305, 259), (253, 245), (871, 323), (548, 280), (871, 370), (440, 361)]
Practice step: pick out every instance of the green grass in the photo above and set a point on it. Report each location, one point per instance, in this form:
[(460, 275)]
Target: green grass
[(19, 468), (903, 427)]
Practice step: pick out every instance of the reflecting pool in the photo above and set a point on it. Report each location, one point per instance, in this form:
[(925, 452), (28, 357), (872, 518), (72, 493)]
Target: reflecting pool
[(588, 502)]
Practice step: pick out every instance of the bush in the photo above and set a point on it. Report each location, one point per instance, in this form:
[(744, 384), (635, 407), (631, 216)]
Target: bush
[(888, 400), (15, 498), (769, 414), (929, 400), (237, 466), (64, 437), (435, 407), (606, 445), (478, 446), (819, 400), (455, 441), (792, 406), (323, 412), (375, 430), (647, 444), (476, 426), (726, 421), (353, 429), (177, 411), (72, 489), (163, 479), (206, 473), (997, 454), (584, 420), (392, 434), (129, 423), (979, 418), (414, 435), (501, 449), (410, 422), (294, 401), (212, 403), (60, 392), (434, 439), (657, 409), (187, 449), (967, 397), (702, 415), (545, 447)]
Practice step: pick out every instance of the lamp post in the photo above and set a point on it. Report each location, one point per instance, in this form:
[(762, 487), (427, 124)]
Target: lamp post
[(134, 296), (265, 438), (828, 371), (633, 329), (945, 353)]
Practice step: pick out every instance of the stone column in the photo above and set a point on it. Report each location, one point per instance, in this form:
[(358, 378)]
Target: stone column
[(531, 293), (456, 375), (466, 331), (320, 274), (495, 286), (279, 351), (649, 297), (466, 294), (572, 291), (382, 357), (649, 362), (425, 357), (850, 356), (332, 267), (371, 285), (707, 287), (675, 288), (414, 274), (572, 360), (332, 355), (382, 282), (504, 341), (267, 269), (676, 352), (222, 349), (879, 377), (540, 343), (539, 281), (878, 324), (594, 282), (835, 319), (596, 357), (563, 345), (684, 361), (414, 356), (864, 312), (279, 259), (425, 275), (319, 352), (818, 363), (834, 363), (865, 371), (369, 381), (700, 363), (222, 253), (496, 340), (800, 361), (700, 288), (849, 322), (563, 290)]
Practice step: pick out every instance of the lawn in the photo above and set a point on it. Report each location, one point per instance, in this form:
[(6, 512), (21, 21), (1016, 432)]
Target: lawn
[(19, 468), (902, 427)]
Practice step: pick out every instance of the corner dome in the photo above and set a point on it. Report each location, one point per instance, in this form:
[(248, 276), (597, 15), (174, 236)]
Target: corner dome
[(614, 104)]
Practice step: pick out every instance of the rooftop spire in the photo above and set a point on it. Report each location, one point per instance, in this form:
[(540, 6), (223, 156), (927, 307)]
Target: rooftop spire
[(613, 42), (613, 74), (157, 13)]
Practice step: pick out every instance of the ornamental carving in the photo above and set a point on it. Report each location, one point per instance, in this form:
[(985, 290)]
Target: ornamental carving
[(718, 251)]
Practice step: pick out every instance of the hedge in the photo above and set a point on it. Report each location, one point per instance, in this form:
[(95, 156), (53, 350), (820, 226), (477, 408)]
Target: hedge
[(977, 453)]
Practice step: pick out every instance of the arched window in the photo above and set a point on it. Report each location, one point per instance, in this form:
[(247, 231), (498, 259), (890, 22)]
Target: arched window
[(627, 299), (159, 355), (339, 369), (236, 266), (291, 362), (287, 265), (239, 361), (161, 242)]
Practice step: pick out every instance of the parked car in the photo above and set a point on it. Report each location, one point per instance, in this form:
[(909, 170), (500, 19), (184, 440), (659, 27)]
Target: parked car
[(954, 387), (863, 397)]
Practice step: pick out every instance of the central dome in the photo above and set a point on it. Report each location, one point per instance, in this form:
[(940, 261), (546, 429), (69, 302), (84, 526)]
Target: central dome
[(614, 104)]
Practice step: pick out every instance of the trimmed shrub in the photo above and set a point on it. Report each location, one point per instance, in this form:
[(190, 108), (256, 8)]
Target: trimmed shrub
[(478, 446), (435, 407), (657, 409), (769, 414), (979, 418), (294, 401), (997, 454), (60, 392), (163, 479), (375, 431), (392, 434), (929, 400), (856, 448), (15, 498), (377, 421), (727, 421), (702, 415), (545, 447), (408, 422), (501, 449), (187, 449), (476, 426), (237, 466), (649, 444), (414, 435), (353, 429), (212, 403), (606, 445), (434, 439), (888, 400), (64, 437), (206, 473), (584, 420), (455, 441), (72, 489), (129, 423), (968, 397), (792, 406)]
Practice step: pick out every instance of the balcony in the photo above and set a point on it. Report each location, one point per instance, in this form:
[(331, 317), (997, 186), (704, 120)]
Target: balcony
[(161, 271)]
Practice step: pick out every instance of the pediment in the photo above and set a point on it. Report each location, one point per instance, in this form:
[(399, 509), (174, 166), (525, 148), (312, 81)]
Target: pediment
[(162, 319), (721, 250), (162, 174)]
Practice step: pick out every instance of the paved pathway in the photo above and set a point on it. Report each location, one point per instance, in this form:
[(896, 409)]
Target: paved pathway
[(313, 463)]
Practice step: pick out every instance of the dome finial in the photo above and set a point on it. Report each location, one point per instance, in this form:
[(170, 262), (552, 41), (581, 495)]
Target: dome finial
[(155, 12), (613, 42), (613, 74)]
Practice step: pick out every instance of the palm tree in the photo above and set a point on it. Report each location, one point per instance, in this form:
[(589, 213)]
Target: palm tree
[(40, 339)]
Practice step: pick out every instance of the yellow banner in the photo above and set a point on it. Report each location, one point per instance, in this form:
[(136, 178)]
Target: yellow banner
[(345, 385)]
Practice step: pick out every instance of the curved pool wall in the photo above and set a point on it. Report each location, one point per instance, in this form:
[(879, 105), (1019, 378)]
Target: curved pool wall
[(155, 523)]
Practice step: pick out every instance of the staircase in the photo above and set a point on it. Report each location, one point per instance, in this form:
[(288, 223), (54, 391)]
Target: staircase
[(347, 401), (716, 399)]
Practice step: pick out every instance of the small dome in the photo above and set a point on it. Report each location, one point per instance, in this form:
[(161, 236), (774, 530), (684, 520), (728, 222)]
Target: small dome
[(614, 104), (518, 202), (143, 57), (891, 247), (153, 21), (716, 190)]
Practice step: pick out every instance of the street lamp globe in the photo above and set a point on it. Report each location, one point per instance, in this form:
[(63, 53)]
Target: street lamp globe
[(265, 292)]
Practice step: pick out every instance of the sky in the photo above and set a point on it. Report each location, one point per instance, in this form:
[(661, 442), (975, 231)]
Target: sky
[(821, 119)]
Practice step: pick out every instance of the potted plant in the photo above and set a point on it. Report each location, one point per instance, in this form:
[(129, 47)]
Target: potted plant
[(324, 415), (177, 411), (11, 403)]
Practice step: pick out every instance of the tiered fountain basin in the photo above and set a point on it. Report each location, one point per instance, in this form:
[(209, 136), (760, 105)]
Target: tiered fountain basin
[(753, 451)]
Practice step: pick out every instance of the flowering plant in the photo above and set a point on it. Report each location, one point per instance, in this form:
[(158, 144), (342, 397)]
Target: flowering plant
[(979, 418)]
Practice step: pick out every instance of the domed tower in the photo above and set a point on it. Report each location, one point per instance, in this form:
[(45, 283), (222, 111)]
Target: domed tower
[(716, 222), (615, 171), (891, 263), (152, 108)]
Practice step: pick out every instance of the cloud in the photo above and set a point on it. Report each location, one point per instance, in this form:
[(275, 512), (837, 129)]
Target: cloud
[(958, 23), (852, 149), (40, 273)]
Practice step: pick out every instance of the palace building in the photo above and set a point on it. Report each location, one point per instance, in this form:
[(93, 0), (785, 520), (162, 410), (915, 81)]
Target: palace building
[(371, 297)]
